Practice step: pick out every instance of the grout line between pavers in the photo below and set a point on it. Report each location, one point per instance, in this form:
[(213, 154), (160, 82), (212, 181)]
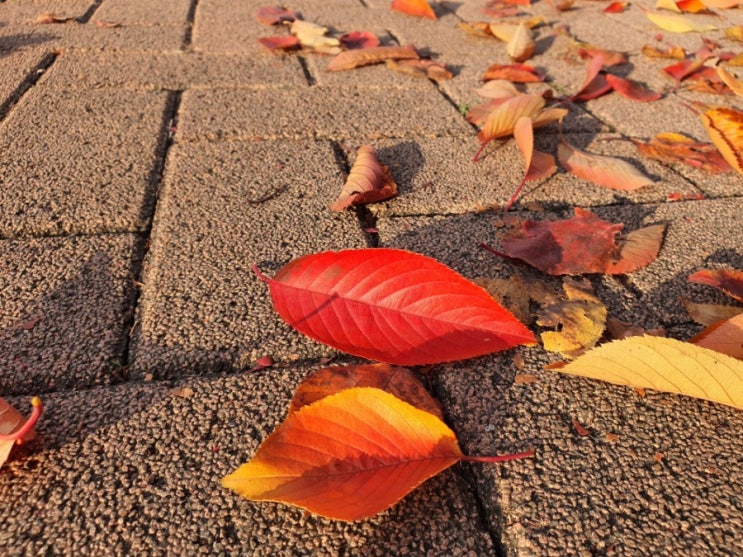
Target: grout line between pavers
[(28, 83), (190, 18), (85, 18)]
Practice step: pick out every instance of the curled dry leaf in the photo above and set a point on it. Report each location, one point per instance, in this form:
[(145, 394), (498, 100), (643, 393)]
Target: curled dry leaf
[(350, 455), (664, 364), (537, 165), (351, 59), (709, 314), (632, 89), (735, 84), (674, 147), (392, 306), (602, 170), (14, 429), (725, 128), (580, 245), (594, 85), (724, 336), (729, 281), (358, 39), (276, 44), (417, 8), (517, 73), (674, 52), (512, 293), (521, 46), (274, 15), (580, 320), (397, 381), (427, 69), (49, 17), (676, 23), (368, 182)]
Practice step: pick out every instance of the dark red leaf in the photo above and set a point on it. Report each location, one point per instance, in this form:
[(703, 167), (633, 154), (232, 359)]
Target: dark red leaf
[(359, 39), (273, 15), (393, 306), (289, 42)]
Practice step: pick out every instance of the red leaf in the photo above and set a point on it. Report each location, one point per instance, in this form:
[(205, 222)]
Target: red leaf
[(359, 39), (273, 15), (683, 69), (583, 244), (727, 280), (289, 42), (615, 8), (417, 8), (368, 182), (13, 429), (631, 89), (392, 306), (594, 85)]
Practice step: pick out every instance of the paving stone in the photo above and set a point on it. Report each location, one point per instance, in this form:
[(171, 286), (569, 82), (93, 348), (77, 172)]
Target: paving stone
[(15, 66), (202, 306), (67, 306), (317, 112), (173, 71), (21, 12), (133, 12), (228, 27), (96, 176), (133, 469)]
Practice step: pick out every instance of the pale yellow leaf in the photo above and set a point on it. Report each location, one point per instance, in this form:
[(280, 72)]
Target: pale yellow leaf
[(664, 364), (676, 23), (521, 46), (735, 84), (668, 5)]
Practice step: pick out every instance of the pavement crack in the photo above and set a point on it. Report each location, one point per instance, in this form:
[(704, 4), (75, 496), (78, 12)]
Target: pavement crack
[(85, 18), (28, 83), (188, 34), (311, 81)]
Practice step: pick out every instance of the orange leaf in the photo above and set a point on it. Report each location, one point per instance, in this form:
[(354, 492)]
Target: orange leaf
[(518, 73), (725, 128), (684, 69), (615, 8), (368, 182), (594, 85), (631, 89), (735, 84), (13, 429), (537, 164), (289, 42), (49, 17), (421, 68), (675, 52), (273, 15), (724, 336), (727, 280), (602, 170), (397, 381), (639, 249), (418, 8), (356, 58), (674, 147), (501, 121)]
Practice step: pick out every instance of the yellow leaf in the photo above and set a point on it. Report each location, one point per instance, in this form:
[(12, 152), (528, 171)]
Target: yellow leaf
[(676, 23), (664, 364), (735, 84), (725, 129)]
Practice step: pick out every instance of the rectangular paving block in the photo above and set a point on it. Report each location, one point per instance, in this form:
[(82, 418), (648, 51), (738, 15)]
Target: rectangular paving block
[(79, 163), (173, 71), (67, 308), (134, 12), (318, 112), (136, 469), (224, 208), (16, 64), (229, 27), (18, 12)]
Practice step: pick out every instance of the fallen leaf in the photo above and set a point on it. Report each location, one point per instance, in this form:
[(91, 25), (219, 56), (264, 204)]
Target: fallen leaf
[(725, 128), (658, 457), (668, 5), (350, 455), (501, 121), (594, 85), (707, 314), (674, 147), (182, 392), (721, 4), (618, 329), (289, 42), (512, 293), (610, 57), (14, 429), (525, 379), (602, 170), (351, 59), (107, 24), (579, 429), (676, 23), (611, 437), (49, 17), (397, 381), (580, 320), (675, 52), (724, 336), (503, 30), (477, 114), (392, 306), (262, 363), (313, 37), (518, 361), (368, 182), (735, 84), (521, 46), (359, 39), (664, 364), (28, 324), (729, 281), (427, 69), (417, 8), (684, 69), (497, 89), (580, 245), (517, 73), (274, 15), (735, 32), (632, 89), (537, 165), (616, 7), (693, 7)]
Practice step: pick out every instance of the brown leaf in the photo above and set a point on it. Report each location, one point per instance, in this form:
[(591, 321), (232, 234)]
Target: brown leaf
[(368, 182), (675, 52), (638, 249), (580, 320), (512, 293), (182, 392), (49, 17), (351, 59), (579, 429), (619, 329), (525, 379), (582, 244), (397, 381), (708, 314), (427, 69)]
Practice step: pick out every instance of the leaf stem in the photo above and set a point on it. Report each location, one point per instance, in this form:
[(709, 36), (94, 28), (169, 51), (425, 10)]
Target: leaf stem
[(20, 433), (260, 275), (484, 246), (480, 150), (500, 458)]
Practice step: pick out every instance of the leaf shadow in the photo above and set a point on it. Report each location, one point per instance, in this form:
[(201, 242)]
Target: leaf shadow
[(19, 41), (405, 160)]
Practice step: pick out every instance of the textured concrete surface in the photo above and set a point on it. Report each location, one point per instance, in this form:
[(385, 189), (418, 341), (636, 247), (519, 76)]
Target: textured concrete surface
[(147, 165)]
